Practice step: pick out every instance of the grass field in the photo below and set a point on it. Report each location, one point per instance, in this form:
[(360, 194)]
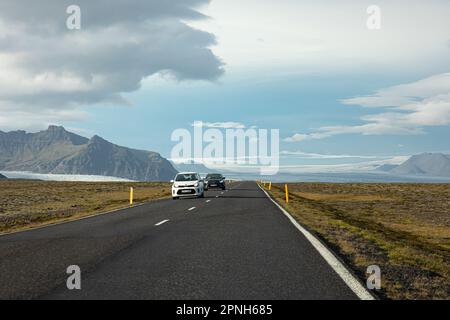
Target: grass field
[(26, 203), (403, 228)]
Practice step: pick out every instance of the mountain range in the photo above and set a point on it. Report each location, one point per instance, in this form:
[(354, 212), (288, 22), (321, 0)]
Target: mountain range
[(429, 164), (58, 151), (2, 176)]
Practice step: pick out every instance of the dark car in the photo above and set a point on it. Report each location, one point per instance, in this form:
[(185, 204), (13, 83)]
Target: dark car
[(215, 180)]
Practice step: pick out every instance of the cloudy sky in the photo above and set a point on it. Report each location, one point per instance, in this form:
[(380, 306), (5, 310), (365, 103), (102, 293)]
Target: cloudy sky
[(339, 92)]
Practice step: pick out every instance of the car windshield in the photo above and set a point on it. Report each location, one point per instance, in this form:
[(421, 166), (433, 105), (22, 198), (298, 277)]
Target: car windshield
[(186, 177), (214, 176)]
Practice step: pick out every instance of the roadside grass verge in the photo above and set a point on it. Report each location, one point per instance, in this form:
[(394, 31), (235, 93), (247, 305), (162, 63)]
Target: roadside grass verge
[(403, 228), (26, 204)]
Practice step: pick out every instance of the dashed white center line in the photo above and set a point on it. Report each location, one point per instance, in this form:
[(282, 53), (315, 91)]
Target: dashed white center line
[(190, 209), (160, 223), (217, 196), (208, 201)]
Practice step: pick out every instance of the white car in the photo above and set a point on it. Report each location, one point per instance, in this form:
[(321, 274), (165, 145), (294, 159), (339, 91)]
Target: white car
[(188, 184)]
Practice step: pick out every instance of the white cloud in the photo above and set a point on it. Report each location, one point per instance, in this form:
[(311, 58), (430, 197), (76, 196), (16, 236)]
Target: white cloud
[(48, 69), (297, 137), (407, 96), (29, 119), (407, 109), (221, 125), (324, 35)]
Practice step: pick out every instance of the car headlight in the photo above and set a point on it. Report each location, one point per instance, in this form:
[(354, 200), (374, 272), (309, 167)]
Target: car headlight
[(221, 181), (196, 184)]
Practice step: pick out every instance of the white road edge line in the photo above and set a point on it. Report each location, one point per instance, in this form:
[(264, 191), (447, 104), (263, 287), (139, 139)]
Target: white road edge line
[(329, 257), (162, 222), (190, 209)]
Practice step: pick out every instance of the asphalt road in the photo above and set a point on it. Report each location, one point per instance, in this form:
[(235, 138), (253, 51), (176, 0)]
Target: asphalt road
[(230, 245)]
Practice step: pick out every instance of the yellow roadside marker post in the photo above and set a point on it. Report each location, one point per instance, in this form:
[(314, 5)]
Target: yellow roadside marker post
[(270, 185), (287, 192), (131, 196)]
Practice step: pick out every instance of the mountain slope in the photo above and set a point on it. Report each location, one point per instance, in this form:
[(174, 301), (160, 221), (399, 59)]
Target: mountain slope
[(58, 151), (2, 176), (431, 164)]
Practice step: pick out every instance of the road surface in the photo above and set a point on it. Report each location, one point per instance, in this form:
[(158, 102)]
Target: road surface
[(230, 245)]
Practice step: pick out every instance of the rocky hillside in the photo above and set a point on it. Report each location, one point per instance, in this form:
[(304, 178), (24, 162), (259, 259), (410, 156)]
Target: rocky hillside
[(430, 164), (58, 151)]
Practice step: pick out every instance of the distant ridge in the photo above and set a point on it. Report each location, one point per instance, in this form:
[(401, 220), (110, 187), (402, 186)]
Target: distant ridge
[(387, 167), (429, 164), (2, 176), (192, 167), (58, 151)]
